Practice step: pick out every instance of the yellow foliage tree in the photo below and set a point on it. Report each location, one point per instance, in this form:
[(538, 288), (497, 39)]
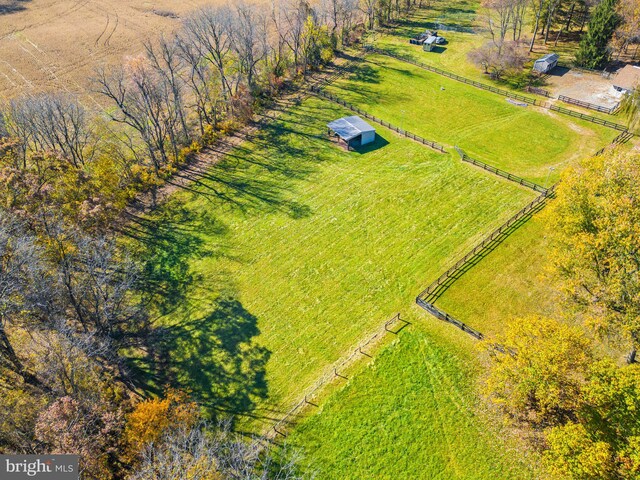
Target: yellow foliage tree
[(537, 369), (597, 217), (603, 440), (152, 418), (573, 454)]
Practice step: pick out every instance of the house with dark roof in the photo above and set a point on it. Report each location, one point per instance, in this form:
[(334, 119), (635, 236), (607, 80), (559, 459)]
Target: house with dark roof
[(353, 131)]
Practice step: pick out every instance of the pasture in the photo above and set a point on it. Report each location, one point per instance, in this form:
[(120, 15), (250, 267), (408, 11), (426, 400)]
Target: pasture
[(464, 25), (56, 45), (465, 35), (527, 141), (411, 413), (513, 280), (273, 264), (292, 249)]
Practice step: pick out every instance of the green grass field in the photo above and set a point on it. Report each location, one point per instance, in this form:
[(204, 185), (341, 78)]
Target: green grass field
[(526, 141), (468, 31), (513, 280), (292, 249), (411, 413)]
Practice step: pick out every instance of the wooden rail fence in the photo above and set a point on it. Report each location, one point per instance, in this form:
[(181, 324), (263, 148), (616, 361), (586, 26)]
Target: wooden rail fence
[(458, 78), (500, 91), (538, 91), (590, 106), (427, 297), (428, 293), (624, 137), (442, 315), (436, 146), (393, 325), (502, 173), (588, 118), (602, 73)]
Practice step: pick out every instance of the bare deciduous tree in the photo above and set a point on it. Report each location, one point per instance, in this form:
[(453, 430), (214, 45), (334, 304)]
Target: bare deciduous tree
[(140, 95), (195, 454), (23, 290), (207, 29), (52, 122), (249, 41)]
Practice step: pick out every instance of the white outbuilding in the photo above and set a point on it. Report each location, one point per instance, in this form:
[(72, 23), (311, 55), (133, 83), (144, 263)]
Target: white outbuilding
[(353, 130), (546, 63)]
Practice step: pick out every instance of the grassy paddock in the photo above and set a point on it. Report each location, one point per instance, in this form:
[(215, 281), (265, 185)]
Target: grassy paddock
[(513, 280), (291, 249), (467, 17), (526, 141), (459, 14), (411, 413)]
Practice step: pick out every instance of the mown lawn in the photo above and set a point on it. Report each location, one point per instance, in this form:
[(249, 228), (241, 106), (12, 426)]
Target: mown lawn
[(513, 280), (412, 413), (291, 249), (534, 143)]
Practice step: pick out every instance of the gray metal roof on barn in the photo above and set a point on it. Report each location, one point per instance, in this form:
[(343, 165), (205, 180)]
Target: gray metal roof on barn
[(349, 128), (546, 63), (548, 58)]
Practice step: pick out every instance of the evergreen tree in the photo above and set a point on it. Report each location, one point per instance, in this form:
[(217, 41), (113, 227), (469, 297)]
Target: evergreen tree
[(593, 51)]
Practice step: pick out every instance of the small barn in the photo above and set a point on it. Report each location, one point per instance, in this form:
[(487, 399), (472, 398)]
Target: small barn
[(546, 63), (627, 79), (353, 131), (429, 43)]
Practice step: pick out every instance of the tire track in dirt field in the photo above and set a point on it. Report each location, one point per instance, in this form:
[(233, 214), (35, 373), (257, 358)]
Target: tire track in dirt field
[(103, 31), (115, 27)]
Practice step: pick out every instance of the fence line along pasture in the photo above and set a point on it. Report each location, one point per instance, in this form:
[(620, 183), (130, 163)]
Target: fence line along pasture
[(442, 315), (590, 106), (501, 173), (505, 93), (427, 297), (436, 146), (602, 73), (429, 292), (444, 73), (588, 118), (538, 91), (334, 371), (623, 137)]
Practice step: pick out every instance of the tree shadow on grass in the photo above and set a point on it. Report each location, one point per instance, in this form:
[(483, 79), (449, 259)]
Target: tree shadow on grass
[(364, 73), (215, 357), (204, 339), (402, 71), (260, 176), (165, 242), (203, 342), (251, 195)]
